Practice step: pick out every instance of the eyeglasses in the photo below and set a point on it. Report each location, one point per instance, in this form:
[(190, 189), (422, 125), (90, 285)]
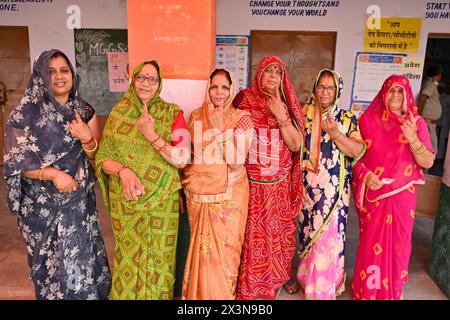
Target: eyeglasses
[(323, 88), (151, 80)]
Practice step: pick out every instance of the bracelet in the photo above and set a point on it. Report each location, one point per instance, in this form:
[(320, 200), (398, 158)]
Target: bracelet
[(93, 149), (163, 147), (332, 139), (158, 137), (420, 150), (40, 173), (284, 123), (413, 143), (120, 169), (89, 141)]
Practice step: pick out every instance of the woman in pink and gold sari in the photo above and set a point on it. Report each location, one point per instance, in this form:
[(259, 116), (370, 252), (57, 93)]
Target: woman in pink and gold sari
[(385, 186), (217, 191)]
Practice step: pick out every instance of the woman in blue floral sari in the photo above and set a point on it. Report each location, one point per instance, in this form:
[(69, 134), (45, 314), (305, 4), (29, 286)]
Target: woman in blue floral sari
[(332, 141), (50, 137)]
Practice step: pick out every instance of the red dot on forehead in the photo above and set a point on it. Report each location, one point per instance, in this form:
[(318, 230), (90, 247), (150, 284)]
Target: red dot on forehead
[(221, 73)]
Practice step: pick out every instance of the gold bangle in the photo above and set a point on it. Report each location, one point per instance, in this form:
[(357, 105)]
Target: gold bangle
[(93, 149), (420, 150), (40, 173)]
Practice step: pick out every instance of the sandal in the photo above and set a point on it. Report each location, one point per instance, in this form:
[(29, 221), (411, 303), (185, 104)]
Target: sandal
[(291, 286)]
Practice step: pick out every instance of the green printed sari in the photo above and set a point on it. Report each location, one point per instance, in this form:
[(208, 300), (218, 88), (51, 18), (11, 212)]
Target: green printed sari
[(145, 230)]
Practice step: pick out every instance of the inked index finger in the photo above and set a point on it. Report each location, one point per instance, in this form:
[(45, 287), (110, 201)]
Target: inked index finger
[(144, 109), (277, 94), (411, 116), (210, 107)]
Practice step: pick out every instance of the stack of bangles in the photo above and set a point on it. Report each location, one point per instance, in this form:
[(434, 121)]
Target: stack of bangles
[(89, 142), (284, 123), (420, 150)]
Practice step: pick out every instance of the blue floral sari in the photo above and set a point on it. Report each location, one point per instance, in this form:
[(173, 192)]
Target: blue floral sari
[(65, 247), (322, 223)]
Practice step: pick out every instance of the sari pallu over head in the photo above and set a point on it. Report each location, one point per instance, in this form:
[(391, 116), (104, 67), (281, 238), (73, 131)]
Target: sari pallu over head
[(317, 147), (205, 176), (388, 154), (314, 115), (123, 142), (254, 99), (37, 136)]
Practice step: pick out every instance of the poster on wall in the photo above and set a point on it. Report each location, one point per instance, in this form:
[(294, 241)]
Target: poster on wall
[(117, 69), (400, 35), (232, 53), (371, 69), (91, 60)]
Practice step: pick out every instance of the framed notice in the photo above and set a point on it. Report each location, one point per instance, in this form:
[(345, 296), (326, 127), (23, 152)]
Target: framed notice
[(118, 73), (400, 35), (232, 53), (371, 69)]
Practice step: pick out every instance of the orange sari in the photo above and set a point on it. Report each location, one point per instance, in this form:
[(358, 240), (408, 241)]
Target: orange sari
[(217, 203)]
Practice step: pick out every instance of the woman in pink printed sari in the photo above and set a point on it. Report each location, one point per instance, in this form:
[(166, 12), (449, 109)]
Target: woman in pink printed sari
[(384, 184)]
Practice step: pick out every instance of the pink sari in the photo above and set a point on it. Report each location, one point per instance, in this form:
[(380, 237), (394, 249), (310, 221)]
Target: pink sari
[(386, 215)]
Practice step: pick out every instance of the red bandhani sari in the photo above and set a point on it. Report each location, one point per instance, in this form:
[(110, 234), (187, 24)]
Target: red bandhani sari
[(386, 215), (275, 191)]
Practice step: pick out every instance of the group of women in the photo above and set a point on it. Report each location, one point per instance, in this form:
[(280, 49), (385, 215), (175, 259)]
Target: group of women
[(264, 179)]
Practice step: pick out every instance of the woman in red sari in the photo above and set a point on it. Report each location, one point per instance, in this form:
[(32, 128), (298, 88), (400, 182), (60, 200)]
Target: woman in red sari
[(385, 186), (274, 171)]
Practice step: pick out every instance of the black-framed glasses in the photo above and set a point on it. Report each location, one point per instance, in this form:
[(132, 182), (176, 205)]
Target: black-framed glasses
[(151, 80), (323, 88)]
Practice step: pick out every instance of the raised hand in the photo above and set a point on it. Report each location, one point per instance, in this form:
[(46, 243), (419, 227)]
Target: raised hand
[(79, 129), (409, 129), (216, 116), (146, 124), (277, 107), (64, 182), (131, 186), (330, 126)]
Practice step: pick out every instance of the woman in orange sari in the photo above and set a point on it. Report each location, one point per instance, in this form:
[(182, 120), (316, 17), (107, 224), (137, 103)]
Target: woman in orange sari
[(216, 188)]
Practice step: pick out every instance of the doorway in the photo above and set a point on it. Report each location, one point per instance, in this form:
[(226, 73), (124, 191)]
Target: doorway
[(14, 73), (438, 53), (304, 53)]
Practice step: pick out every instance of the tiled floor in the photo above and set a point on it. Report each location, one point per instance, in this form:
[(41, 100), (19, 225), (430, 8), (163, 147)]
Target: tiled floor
[(14, 283)]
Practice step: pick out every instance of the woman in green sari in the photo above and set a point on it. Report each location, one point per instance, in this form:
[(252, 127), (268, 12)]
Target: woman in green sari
[(142, 147)]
